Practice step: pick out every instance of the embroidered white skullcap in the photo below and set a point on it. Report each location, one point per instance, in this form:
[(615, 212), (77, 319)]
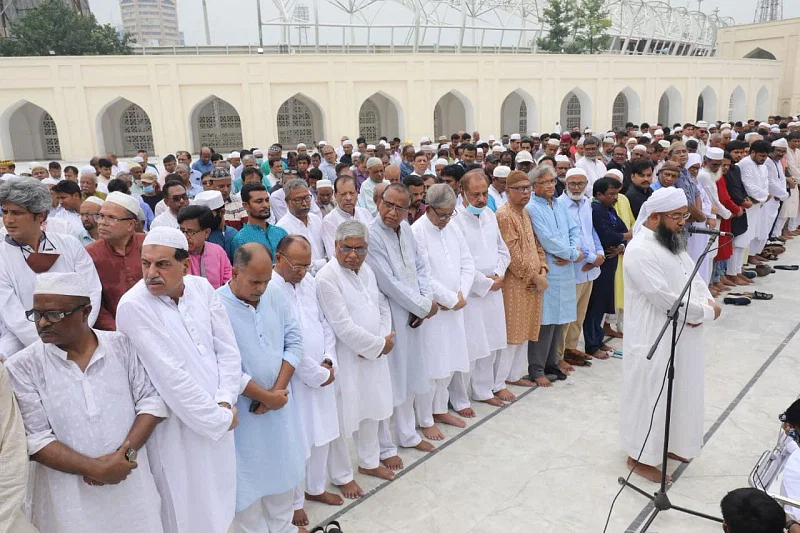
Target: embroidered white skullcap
[(445, 146), (374, 161), (678, 129), (714, 154), (725, 126), (662, 200), (234, 154), (441, 161), (501, 171), (658, 132), (479, 150), (95, 200), (588, 130), (260, 151), (166, 236), (211, 199), (609, 140), (497, 149), (49, 181), (125, 200), (575, 172), (694, 159), (347, 142), (424, 140), (647, 136), (553, 141), (370, 147), (534, 134), (780, 143), (37, 165), (88, 169), (355, 155), (775, 128), (701, 124), (560, 158), (492, 138), (524, 157), (324, 184), (639, 147), (61, 283), (321, 143), (664, 143), (496, 143), (515, 137), (615, 172), (138, 159), (299, 146)]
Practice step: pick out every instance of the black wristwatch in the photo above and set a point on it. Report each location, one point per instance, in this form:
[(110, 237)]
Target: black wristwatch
[(791, 523)]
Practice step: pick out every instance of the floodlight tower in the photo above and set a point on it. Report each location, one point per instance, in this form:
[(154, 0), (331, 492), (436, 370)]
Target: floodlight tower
[(768, 10)]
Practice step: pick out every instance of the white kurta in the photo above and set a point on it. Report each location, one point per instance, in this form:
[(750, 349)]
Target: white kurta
[(191, 355), (332, 221), (165, 219), (70, 217), (360, 317), (654, 278), (777, 189), (312, 232), (792, 204), (499, 199), (17, 281), (754, 179), (452, 270), (91, 412), (484, 315), (316, 405), (594, 171)]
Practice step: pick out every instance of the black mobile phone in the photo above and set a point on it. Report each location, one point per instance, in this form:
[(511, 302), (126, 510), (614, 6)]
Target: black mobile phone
[(414, 321), (255, 404)]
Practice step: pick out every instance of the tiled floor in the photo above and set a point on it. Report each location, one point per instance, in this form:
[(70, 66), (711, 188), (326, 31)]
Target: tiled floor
[(550, 461)]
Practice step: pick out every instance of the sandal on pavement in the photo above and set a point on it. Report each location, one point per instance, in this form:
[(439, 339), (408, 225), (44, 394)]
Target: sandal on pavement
[(756, 295), (737, 300), (786, 267)]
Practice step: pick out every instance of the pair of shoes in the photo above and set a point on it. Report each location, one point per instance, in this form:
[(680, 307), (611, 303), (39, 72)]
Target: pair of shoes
[(554, 371)]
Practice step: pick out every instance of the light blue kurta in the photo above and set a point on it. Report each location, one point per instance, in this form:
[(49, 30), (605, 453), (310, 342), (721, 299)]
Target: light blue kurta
[(270, 457), (559, 236)]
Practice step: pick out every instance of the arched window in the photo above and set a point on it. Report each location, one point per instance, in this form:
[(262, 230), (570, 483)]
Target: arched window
[(295, 123), (219, 126), (619, 112), (437, 121), (523, 118), (137, 133), (369, 122), (573, 112), (52, 148)]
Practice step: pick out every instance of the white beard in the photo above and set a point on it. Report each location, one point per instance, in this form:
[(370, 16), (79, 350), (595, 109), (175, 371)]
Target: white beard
[(576, 197)]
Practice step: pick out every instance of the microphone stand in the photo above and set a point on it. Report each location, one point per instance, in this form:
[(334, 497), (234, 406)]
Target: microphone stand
[(660, 499)]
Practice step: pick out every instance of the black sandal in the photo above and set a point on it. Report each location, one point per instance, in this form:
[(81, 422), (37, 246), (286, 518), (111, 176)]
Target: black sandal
[(737, 300), (760, 295), (786, 267)]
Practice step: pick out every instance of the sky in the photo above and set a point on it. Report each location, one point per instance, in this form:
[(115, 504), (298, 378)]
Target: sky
[(234, 21)]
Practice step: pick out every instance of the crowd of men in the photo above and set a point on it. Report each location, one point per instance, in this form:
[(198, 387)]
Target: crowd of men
[(239, 317)]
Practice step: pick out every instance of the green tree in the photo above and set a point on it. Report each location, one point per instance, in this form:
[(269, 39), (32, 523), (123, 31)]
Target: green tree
[(561, 17), (52, 28), (592, 27)]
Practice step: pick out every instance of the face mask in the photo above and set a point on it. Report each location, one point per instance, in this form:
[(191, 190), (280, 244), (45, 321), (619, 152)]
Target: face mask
[(259, 160), (475, 210), (149, 189)]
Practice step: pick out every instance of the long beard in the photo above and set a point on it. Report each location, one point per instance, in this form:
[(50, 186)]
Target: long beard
[(715, 175), (674, 242)]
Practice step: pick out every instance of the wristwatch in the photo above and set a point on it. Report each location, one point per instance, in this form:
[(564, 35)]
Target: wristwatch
[(791, 523), (131, 455)]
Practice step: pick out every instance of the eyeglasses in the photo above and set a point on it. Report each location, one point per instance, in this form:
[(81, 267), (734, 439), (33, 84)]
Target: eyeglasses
[(390, 206), (443, 218), (298, 268), (521, 188), (546, 182), (347, 249), (677, 217), (178, 197), (100, 218), (190, 232), (577, 184), (51, 316), (301, 200)]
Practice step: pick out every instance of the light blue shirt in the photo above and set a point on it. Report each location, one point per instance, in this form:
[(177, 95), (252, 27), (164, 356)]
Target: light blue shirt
[(560, 237), (591, 247), (270, 456)]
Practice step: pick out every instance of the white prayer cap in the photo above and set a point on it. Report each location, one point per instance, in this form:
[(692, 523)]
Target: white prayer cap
[(61, 283), (678, 129), (775, 128), (780, 143), (588, 131), (575, 172), (664, 143), (234, 155), (424, 148), (647, 136), (125, 200), (725, 126), (560, 158), (299, 146), (492, 138), (96, 200), (356, 154), (701, 124), (580, 141), (662, 200), (658, 132), (524, 157), (534, 134), (348, 142), (324, 184), (88, 169), (49, 181), (441, 161), (497, 149), (694, 159), (373, 162), (515, 137), (370, 147), (138, 159), (501, 171), (479, 150), (714, 154), (37, 165), (321, 143), (424, 140), (260, 152), (383, 143), (763, 125), (615, 172), (166, 236), (211, 199), (553, 141), (125, 167), (749, 135), (496, 143), (609, 140), (445, 146), (640, 147)]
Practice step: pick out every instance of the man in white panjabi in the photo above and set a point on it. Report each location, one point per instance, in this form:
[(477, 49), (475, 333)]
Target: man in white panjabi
[(791, 207), (26, 250), (656, 268), (88, 408), (346, 209), (444, 336), (756, 184), (301, 221), (184, 338), (361, 319), (313, 381), (778, 187), (484, 314)]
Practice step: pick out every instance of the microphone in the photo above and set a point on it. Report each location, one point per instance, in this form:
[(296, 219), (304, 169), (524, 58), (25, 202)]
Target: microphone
[(708, 231)]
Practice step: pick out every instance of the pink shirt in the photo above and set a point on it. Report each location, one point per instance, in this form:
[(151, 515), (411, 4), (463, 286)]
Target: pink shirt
[(213, 265)]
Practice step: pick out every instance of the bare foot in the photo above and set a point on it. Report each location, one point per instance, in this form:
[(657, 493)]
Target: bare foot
[(543, 382), (611, 332), (678, 458), (432, 432), (351, 490), (495, 402), (450, 420), (466, 413), (380, 472), (425, 446), (328, 498), (566, 367), (522, 382), (506, 395), (726, 280), (300, 518), (651, 473), (393, 463), (302, 530)]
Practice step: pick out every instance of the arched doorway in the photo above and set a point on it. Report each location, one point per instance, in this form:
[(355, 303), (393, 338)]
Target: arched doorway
[(299, 121), (216, 123), (124, 129), (707, 105), (762, 104), (452, 113), (29, 132), (737, 106), (518, 113), (576, 110), (379, 116), (669, 107)]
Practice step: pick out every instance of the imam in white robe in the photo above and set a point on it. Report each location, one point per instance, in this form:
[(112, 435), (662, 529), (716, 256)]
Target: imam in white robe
[(452, 271), (92, 413), (654, 277), (360, 318), (332, 221), (17, 281), (312, 232), (190, 353)]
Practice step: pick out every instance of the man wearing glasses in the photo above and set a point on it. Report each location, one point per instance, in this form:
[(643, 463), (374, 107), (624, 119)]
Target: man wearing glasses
[(301, 221), (175, 198), (116, 254)]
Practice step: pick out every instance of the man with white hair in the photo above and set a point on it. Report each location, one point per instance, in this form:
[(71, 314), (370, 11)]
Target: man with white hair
[(778, 187), (375, 170), (563, 165), (28, 250), (594, 168), (74, 384), (39, 171), (88, 213), (190, 352), (656, 269), (345, 192), (88, 183), (301, 221)]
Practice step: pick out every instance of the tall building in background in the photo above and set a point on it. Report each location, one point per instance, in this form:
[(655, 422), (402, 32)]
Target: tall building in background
[(152, 22), (768, 10), (11, 10)]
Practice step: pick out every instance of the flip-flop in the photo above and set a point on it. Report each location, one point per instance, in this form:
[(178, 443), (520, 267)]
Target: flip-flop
[(617, 354), (756, 295), (786, 267), (737, 300)]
